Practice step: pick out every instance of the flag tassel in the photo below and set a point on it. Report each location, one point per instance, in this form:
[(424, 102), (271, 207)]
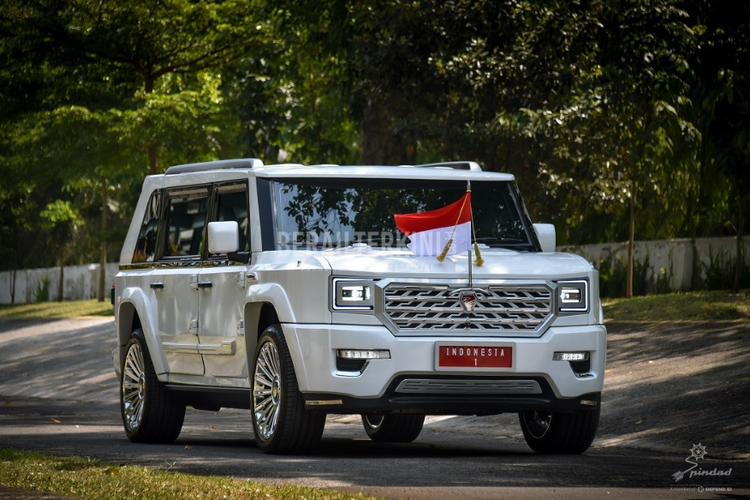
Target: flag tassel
[(444, 253), (479, 260)]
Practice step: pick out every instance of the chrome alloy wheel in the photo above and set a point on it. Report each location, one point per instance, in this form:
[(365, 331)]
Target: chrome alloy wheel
[(133, 387), (538, 423), (267, 392)]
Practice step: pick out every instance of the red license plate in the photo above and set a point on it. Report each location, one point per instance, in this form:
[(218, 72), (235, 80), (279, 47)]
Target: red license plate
[(466, 356)]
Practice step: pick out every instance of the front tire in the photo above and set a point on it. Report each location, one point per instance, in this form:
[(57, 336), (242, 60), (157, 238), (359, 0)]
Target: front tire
[(561, 433), (150, 413), (280, 422), (392, 428)]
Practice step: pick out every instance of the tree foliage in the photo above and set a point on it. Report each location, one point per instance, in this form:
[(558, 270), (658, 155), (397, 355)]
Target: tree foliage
[(619, 119)]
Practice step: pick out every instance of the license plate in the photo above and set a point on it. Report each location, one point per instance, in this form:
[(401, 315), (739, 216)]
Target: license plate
[(467, 356)]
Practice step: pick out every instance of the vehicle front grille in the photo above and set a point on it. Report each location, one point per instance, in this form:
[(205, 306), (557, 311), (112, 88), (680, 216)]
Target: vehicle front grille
[(438, 309)]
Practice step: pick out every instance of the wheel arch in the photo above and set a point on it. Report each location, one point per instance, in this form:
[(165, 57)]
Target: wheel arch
[(133, 313), (257, 317)]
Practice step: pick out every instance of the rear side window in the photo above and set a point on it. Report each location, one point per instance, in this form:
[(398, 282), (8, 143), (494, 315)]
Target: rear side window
[(145, 248), (186, 219)]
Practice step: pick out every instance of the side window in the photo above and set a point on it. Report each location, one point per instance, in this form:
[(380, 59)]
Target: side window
[(232, 205), (145, 247), (186, 218)]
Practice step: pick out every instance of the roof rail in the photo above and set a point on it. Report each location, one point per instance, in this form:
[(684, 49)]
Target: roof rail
[(455, 165), (214, 165)]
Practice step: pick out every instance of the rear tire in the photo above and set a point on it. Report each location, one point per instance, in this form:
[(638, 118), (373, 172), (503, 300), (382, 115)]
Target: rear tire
[(561, 433), (150, 413), (392, 428), (280, 422)]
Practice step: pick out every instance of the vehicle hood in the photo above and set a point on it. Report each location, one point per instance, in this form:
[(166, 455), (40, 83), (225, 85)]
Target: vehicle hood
[(498, 264)]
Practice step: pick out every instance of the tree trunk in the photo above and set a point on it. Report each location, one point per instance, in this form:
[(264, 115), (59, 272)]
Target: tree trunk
[(631, 242), (61, 286), (13, 286), (152, 150), (381, 143), (103, 246), (740, 261)]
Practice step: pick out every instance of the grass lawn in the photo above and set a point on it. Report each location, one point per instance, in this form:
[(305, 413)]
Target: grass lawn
[(94, 480), (692, 306), (57, 310)]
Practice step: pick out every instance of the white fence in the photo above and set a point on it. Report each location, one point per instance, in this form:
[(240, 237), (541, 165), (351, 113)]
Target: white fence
[(79, 282), (681, 265)]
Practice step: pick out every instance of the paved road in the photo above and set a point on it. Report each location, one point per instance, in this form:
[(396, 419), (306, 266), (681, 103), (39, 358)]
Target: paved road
[(48, 371)]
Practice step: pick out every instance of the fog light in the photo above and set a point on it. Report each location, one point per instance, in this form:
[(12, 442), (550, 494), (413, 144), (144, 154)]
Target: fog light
[(570, 356), (363, 354)]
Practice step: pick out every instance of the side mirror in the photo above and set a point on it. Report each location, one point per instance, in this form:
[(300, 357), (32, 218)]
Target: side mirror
[(547, 237), (223, 237)]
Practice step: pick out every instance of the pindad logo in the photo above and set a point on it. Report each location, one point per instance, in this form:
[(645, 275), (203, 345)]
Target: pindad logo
[(698, 452)]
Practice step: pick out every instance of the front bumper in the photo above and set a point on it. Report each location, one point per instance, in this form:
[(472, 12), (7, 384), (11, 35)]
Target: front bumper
[(410, 382)]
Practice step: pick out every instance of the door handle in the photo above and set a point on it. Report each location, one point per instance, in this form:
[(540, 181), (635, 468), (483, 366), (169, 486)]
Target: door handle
[(205, 284), (157, 285)]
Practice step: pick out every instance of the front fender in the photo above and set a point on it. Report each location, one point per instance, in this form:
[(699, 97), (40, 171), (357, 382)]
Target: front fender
[(275, 295), (133, 302)]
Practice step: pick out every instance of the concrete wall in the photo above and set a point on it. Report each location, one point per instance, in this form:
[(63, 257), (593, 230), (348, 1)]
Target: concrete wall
[(684, 263), (79, 282)]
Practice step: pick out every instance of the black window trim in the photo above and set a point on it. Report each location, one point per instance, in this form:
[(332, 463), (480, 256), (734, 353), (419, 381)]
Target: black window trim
[(212, 214)]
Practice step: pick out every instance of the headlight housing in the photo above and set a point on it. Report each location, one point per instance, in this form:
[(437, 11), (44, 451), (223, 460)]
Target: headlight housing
[(573, 296), (353, 294)]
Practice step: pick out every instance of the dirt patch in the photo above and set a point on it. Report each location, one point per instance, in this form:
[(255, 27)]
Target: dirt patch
[(671, 385)]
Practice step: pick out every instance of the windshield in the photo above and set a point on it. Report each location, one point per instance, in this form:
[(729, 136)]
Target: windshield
[(325, 213)]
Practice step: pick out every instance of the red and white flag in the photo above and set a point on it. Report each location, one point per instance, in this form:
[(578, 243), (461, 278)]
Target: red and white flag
[(431, 231)]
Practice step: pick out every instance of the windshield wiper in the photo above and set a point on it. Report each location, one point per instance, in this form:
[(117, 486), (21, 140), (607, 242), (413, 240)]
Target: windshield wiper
[(500, 241), (332, 244), (376, 240)]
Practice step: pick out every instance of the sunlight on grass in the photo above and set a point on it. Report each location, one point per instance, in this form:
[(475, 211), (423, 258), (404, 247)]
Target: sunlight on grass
[(693, 306), (94, 480), (57, 310)]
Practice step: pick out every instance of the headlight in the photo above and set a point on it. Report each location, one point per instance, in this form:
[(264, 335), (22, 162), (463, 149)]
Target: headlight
[(353, 294), (573, 296)]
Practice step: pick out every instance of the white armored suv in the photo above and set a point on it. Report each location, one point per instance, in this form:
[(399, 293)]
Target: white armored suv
[(289, 290)]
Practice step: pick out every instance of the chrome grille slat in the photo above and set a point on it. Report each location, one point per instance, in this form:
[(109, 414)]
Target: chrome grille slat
[(474, 387), (506, 308)]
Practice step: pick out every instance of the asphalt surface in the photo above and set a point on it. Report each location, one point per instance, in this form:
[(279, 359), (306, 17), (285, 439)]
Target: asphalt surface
[(668, 388)]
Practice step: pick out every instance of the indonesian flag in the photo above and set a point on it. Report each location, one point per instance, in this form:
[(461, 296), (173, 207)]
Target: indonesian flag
[(431, 231)]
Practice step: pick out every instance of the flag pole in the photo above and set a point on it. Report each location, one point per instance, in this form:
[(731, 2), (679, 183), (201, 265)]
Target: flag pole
[(480, 260)]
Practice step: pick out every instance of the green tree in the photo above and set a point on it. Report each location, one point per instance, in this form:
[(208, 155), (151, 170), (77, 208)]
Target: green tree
[(89, 86), (150, 40), (722, 89), (645, 70), (61, 221), (293, 92)]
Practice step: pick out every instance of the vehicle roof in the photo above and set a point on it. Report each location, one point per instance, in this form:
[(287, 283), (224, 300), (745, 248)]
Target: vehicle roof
[(376, 172), (256, 168)]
